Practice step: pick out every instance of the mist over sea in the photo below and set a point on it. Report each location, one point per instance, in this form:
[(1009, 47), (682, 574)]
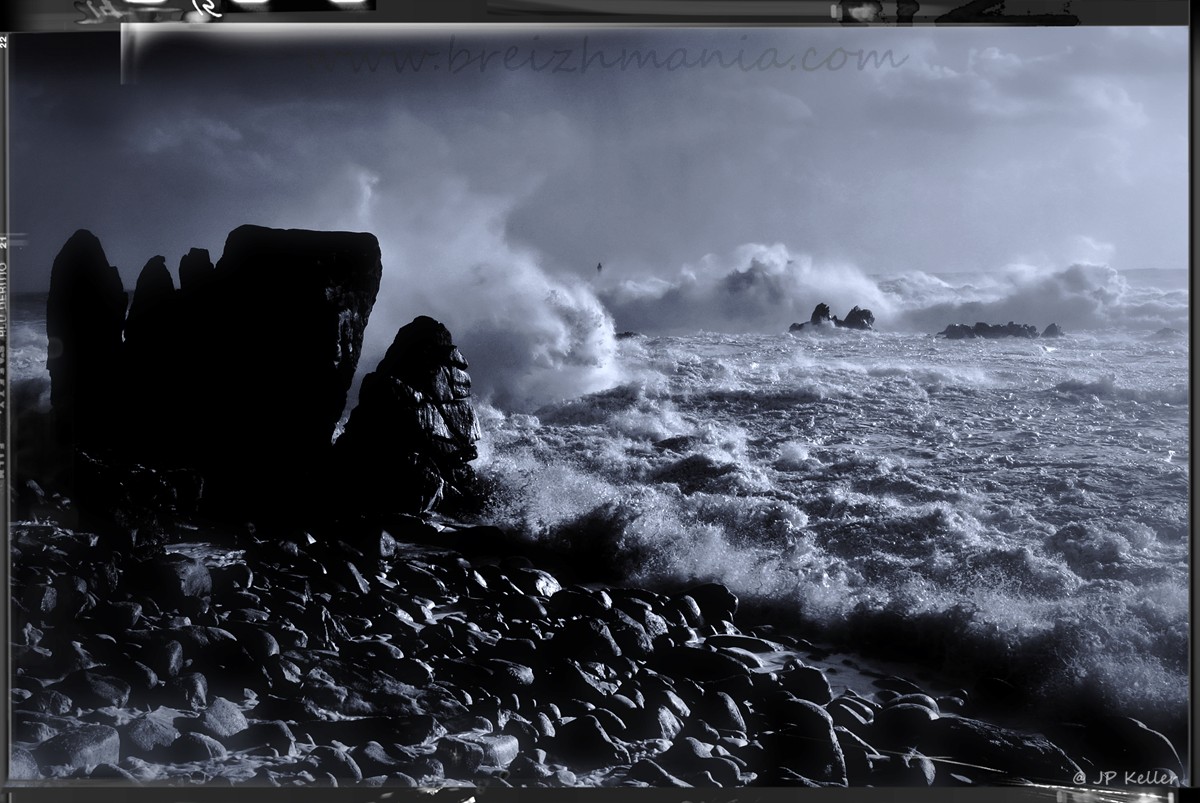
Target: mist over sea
[(1013, 508)]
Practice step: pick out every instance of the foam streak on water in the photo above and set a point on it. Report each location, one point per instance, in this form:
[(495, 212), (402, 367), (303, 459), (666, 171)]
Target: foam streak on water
[(1014, 507)]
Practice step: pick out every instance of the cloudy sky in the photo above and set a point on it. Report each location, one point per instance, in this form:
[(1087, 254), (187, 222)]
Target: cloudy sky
[(964, 150)]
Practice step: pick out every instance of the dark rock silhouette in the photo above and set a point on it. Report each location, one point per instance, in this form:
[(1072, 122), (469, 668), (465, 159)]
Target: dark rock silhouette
[(960, 331), (154, 287), (85, 313), (195, 269), (262, 356), (408, 442), (1052, 331), (242, 374), (858, 318)]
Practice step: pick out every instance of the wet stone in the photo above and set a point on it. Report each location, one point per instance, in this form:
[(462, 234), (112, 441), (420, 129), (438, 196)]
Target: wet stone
[(79, 747), (196, 747), (93, 690), (749, 643), (111, 772), (120, 615), (22, 766), (898, 685), (857, 754), (49, 701), (509, 675), (337, 763), (530, 765), (570, 603), (698, 664), (145, 735), (847, 716), (714, 601), (723, 713), (274, 734), (189, 691), (807, 683), (222, 719), (901, 725), (498, 750), (648, 772), (586, 639), (654, 722), (807, 744), (903, 769), (166, 658), (915, 699), (460, 758), (373, 759), (1029, 756), (535, 581), (584, 744), (34, 732)]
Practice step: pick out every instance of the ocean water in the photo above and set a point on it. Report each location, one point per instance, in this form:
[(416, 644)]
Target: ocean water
[(1017, 508), (1011, 508)]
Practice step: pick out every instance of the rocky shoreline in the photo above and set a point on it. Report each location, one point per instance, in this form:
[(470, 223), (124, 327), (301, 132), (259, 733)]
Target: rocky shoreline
[(392, 661), (351, 635)]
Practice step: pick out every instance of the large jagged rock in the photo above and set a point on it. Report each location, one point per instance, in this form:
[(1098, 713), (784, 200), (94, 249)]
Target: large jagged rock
[(409, 441), (85, 313), (241, 374), (261, 353)]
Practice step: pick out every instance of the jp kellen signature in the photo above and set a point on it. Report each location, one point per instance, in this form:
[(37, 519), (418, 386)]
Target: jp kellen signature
[(1157, 777)]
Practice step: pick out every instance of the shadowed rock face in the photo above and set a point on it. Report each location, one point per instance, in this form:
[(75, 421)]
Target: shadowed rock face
[(241, 374), (408, 441), (85, 312)]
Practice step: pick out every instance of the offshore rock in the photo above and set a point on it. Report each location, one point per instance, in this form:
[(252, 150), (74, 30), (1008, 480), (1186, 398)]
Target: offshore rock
[(1052, 331), (857, 318), (408, 443), (960, 331)]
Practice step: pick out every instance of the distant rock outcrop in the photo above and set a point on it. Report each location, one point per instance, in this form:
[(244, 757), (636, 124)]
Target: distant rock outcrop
[(960, 331), (85, 313), (858, 318), (1052, 331), (408, 442)]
